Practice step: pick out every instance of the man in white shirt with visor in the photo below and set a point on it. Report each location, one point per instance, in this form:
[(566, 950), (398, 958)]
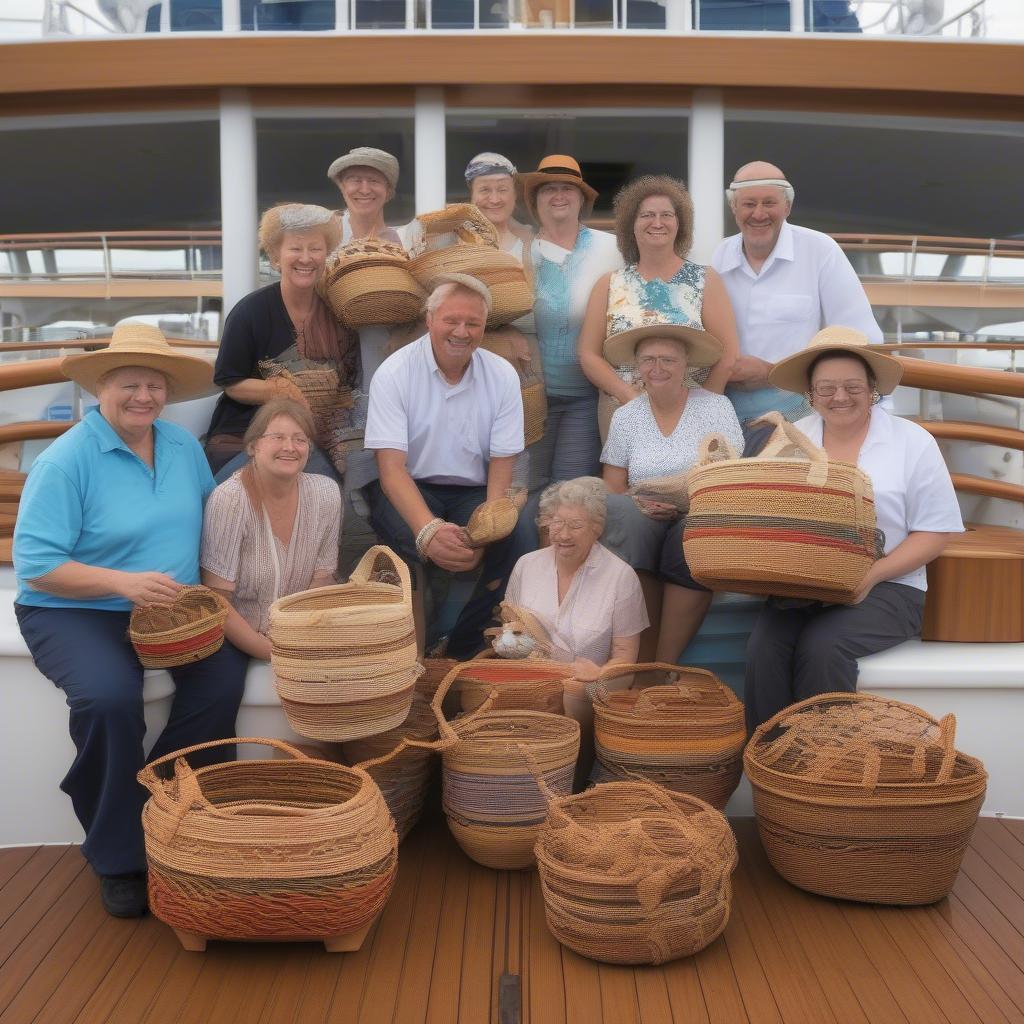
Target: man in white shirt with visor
[(785, 283)]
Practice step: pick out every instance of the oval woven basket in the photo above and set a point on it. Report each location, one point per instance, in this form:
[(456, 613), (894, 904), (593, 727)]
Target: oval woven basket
[(344, 657), (631, 874), (863, 798), (491, 521), (266, 849), (368, 282), (188, 629), (686, 735), (781, 526), (514, 684)]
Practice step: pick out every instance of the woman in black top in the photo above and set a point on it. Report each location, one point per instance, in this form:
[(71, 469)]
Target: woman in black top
[(283, 342)]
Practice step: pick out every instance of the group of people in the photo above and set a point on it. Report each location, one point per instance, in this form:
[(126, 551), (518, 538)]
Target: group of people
[(643, 353)]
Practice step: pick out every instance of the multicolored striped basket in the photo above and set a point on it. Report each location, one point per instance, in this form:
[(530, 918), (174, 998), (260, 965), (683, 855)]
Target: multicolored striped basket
[(282, 850), (863, 798), (686, 734), (188, 629), (780, 526), (632, 874)]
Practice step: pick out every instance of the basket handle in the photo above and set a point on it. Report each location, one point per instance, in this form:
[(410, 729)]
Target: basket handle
[(447, 732), (538, 776), (362, 572), (947, 726), (817, 471), (714, 448)]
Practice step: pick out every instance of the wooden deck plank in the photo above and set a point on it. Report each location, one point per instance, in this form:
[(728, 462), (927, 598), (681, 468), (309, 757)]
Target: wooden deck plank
[(175, 987), (475, 999), (348, 992), (685, 995), (31, 874), (219, 965), (1003, 895), (322, 975), (14, 859), (718, 983), (990, 916), (758, 998), (581, 982), (443, 1003), (546, 985), (652, 996), (144, 991), (1014, 826), (997, 845), (618, 993), (285, 996)]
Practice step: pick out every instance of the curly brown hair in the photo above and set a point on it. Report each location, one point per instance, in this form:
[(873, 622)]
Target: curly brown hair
[(627, 205)]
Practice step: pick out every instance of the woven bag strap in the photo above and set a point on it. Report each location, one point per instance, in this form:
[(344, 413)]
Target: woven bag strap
[(817, 471), (362, 572), (714, 448)]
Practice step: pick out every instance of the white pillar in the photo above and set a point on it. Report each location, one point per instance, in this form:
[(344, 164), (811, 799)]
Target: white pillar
[(429, 148), (678, 16), (341, 20), (706, 173), (796, 16), (232, 15), (238, 213)]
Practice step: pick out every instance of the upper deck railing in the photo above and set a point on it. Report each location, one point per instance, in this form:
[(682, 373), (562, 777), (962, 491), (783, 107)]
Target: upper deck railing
[(945, 19)]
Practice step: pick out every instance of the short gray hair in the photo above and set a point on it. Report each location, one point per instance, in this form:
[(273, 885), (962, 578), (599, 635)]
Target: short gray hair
[(589, 492), (447, 285)]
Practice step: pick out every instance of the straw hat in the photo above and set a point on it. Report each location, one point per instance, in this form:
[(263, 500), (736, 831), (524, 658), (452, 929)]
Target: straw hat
[(702, 348), (366, 156), (136, 344), (790, 374), (556, 168)]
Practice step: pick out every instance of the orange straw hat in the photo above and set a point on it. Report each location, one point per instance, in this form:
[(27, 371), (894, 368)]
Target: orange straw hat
[(791, 373), (138, 344), (556, 168)]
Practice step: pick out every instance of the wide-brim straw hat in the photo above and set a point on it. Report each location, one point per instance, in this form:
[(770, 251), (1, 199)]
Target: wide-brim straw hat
[(791, 373), (702, 348), (366, 156), (137, 344), (556, 168)]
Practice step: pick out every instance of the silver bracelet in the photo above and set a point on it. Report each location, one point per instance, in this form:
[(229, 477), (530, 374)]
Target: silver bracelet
[(426, 535)]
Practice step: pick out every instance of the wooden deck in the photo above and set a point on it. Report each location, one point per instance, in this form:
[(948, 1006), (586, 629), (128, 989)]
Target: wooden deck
[(452, 929)]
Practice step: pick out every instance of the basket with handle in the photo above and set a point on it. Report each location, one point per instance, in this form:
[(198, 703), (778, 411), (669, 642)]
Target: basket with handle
[(188, 629), (789, 527), (633, 874), (864, 798), (368, 282), (344, 657), (686, 734), (267, 850), (530, 684)]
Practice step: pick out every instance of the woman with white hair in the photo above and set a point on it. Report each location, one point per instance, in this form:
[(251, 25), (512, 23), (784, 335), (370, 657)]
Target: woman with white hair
[(282, 327)]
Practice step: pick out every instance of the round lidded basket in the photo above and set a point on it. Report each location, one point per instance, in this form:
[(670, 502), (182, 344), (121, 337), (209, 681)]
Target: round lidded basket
[(299, 849), (188, 629), (686, 735), (632, 874), (864, 798), (368, 282)]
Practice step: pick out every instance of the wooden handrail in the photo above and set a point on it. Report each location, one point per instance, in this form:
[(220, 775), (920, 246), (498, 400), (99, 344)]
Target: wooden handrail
[(33, 430), (960, 380), (30, 374), (960, 430), (94, 343), (987, 488)]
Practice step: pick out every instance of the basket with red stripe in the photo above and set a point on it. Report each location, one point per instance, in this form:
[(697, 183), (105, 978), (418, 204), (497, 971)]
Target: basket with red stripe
[(188, 629), (788, 527)]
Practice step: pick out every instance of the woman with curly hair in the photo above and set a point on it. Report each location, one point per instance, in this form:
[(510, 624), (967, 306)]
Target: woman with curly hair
[(659, 285)]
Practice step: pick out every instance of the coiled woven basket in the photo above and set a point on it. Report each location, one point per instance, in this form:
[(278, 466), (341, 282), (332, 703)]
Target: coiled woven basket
[(512, 684), (344, 657), (686, 735), (368, 281), (632, 874), (780, 526), (864, 798), (298, 849), (188, 629)]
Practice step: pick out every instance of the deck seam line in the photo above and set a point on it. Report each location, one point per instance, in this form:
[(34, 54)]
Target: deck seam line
[(405, 944)]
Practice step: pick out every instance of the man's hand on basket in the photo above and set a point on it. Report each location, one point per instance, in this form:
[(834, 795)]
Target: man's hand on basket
[(449, 550)]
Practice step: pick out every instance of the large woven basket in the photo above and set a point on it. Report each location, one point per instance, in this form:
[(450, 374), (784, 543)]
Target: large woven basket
[(686, 735), (632, 874), (781, 526), (368, 281), (344, 657), (864, 798), (531, 387), (511, 684), (266, 849), (188, 629)]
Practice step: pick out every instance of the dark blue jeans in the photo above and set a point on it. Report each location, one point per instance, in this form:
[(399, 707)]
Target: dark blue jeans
[(86, 653)]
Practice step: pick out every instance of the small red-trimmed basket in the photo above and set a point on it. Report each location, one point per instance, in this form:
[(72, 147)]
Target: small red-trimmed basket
[(188, 629)]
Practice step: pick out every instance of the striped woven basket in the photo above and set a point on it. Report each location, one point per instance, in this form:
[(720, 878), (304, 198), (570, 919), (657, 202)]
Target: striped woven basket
[(686, 735), (298, 849), (368, 282), (531, 387), (863, 798), (780, 526), (188, 629), (491, 769), (631, 874), (344, 657), (514, 684)]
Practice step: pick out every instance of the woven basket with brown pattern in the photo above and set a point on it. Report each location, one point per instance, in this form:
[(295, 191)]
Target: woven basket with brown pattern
[(188, 629), (369, 282)]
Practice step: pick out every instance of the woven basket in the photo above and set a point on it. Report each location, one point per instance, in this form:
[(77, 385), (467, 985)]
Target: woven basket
[(490, 522), (492, 764), (368, 282), (344, 657), (188, 629), (785, 527), (632, 874), (686, 736), (267, 849), (864, 798), (531, 388), (510, 684)]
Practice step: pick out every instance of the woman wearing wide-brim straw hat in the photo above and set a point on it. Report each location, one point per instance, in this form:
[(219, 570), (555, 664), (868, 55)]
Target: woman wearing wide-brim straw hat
[(568, 258), (110, 519), (799, 650)]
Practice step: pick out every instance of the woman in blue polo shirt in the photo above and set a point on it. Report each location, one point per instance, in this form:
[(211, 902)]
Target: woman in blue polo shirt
[(111, 517)]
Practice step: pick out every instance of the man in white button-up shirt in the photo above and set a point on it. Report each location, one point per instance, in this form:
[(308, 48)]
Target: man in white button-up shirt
[(446, 422), (785, 283)]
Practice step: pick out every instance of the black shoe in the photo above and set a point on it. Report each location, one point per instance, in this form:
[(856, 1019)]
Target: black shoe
[(124, 895)]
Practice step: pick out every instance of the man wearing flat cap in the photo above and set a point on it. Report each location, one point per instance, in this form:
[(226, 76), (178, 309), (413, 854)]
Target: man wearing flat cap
[(785, 283)]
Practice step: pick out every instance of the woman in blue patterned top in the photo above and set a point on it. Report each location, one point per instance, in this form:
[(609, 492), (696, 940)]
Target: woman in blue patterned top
[(654, 230)]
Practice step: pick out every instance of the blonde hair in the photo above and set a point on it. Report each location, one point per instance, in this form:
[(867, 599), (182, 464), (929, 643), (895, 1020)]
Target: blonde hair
[(265, 415), (299, 217), (627, 206)]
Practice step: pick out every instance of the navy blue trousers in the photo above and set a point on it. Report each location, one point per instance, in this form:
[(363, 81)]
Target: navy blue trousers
[(86, 653)]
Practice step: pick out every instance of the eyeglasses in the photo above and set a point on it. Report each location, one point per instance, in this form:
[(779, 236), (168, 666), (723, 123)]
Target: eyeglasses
[(827, 389), (665, 362), (572, 525), (298, 440), (649, 215)]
